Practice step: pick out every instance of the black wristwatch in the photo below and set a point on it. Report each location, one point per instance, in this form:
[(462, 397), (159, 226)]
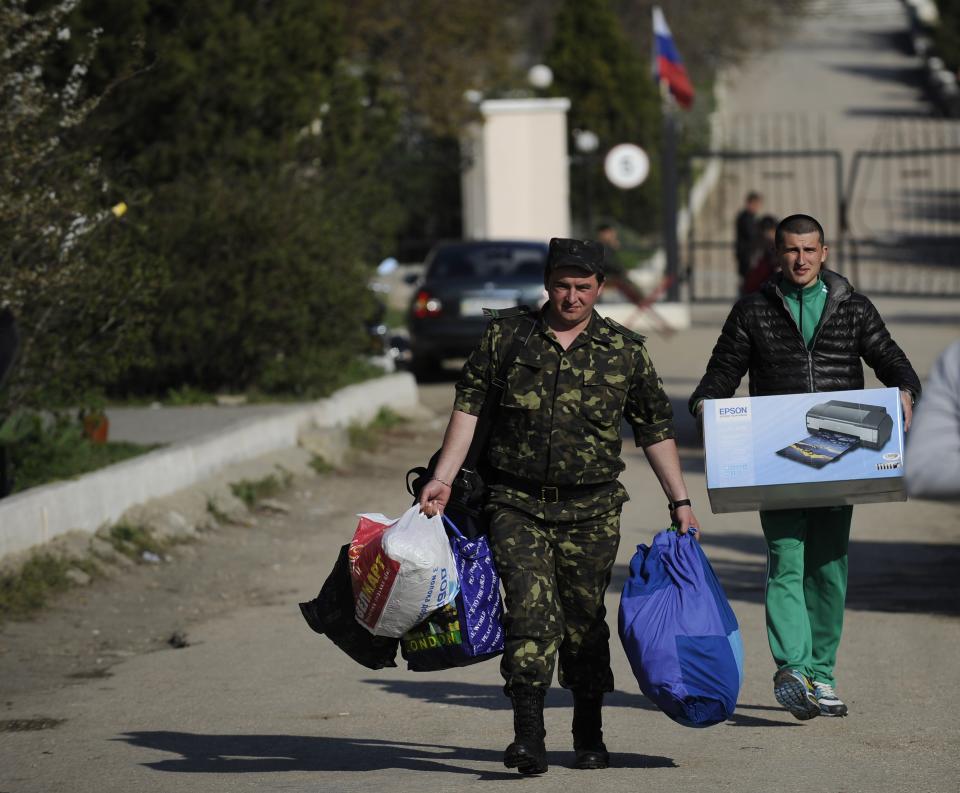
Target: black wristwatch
[(683, 502)]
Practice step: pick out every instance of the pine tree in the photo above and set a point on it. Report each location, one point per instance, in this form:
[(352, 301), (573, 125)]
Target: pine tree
[(613, 95)]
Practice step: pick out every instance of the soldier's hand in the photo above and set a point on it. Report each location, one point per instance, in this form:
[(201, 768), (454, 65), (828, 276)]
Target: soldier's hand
[(434, 497), (686, 520)]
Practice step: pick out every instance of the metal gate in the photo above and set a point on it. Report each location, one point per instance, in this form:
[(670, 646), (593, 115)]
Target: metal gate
[(903, 221), (790, 181), (893, 226)]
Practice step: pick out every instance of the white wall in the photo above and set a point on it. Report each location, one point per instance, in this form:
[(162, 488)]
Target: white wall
[(39, 514), (517, 185)]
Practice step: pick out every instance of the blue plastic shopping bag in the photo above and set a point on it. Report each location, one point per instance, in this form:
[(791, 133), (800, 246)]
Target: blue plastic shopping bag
[(679, 632), (470, 629)]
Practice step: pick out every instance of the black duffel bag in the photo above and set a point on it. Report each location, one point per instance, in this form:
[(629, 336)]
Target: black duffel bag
[(332, 612), (468, 494)]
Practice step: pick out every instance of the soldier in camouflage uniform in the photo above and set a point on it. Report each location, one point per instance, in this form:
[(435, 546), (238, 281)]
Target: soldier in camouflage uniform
[(555, 500)]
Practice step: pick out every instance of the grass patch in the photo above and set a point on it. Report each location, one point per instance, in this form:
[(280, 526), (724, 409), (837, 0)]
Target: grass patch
[(365, 437), (134, 540), (218, 514), (42, 576), (48, 450), (250, 491), (188, 395), (320, 464)]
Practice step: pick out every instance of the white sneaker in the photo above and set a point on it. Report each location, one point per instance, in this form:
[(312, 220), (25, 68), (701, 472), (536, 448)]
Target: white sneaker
[(830, 704), (794, 691)]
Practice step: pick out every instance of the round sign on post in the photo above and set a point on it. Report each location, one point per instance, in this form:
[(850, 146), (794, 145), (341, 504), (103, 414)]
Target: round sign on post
[(626, 166)]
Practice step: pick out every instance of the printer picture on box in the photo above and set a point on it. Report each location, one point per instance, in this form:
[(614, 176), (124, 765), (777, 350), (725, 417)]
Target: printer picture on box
[(804, 450), (837, 427)]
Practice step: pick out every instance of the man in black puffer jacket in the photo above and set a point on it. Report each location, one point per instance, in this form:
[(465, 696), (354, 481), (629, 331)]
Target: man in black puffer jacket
[(806, 330)]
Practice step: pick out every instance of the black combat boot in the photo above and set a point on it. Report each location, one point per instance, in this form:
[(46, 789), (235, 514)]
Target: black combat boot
[(527, 753), (588, 732)]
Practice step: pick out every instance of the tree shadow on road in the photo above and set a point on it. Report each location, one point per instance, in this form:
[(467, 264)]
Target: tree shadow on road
[(245, 754)]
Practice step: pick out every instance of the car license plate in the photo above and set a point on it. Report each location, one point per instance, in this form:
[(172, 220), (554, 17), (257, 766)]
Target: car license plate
[(474, 306)]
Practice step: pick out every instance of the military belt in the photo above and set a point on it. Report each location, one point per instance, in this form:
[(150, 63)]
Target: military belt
[(547, 493)]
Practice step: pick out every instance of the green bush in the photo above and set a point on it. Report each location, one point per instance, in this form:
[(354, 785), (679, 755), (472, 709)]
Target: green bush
[(613, 95), (260, 153), (47, 449), (74, 273)]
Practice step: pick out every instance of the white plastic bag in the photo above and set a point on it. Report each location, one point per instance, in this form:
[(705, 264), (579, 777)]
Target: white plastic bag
[(402, 571)]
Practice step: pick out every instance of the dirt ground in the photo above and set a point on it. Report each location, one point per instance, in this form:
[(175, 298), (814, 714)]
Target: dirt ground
[(140, 608), (93, 697)]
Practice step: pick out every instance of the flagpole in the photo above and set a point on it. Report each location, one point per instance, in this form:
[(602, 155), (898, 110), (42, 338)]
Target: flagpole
[(668, 167)]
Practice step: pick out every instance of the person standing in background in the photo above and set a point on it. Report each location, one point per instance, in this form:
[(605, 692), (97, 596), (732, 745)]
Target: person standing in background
[(746, 235), (765, 257)]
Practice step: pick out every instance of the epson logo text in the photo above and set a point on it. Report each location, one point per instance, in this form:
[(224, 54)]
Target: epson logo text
[(734, 411)]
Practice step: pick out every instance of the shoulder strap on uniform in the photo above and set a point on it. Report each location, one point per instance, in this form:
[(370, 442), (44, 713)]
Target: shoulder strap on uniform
[(505, 313), (630, 334), (495, 389)]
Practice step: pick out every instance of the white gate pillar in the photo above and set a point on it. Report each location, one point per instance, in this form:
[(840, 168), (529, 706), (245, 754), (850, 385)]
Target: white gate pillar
[(517, 183)]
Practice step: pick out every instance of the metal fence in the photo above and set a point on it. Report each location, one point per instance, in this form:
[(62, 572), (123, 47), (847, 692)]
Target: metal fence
[(789, 181), (892, 222)]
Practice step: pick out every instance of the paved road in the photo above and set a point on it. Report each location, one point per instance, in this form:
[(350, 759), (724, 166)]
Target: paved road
[(257, 702), (840, 78)]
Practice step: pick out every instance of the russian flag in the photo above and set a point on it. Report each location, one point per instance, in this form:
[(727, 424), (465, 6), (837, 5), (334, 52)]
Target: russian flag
[(667, 66)]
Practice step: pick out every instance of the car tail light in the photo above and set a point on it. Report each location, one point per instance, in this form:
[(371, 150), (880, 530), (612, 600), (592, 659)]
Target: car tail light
[(426, 305)]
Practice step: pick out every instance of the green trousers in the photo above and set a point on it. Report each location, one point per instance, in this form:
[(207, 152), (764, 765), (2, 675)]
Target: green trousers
[(806, 586)]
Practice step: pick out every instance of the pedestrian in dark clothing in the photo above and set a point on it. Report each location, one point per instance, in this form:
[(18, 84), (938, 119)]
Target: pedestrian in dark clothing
[(614, 272), (745, 247), (555, 502), (765, 260), (806, 330)]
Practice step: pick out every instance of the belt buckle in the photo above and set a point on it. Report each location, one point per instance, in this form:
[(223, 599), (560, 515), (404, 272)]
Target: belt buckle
[(550, 494)]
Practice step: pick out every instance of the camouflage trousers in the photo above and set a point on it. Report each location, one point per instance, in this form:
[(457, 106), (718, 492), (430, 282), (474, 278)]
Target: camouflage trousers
[(554, 577)]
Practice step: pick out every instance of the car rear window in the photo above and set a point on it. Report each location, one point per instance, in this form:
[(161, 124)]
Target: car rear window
[(489, 262)]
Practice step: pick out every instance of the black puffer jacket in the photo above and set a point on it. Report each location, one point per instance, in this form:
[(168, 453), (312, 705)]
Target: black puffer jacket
[(761, 337)]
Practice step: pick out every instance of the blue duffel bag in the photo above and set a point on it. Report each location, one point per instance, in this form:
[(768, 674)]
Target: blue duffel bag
[(679, 632)]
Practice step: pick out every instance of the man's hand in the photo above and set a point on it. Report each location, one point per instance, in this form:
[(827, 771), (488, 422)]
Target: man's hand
[(906, 399), (686, 520), (434, 497)]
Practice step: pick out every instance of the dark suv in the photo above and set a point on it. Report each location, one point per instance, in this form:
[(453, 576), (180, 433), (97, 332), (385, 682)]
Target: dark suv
[(460, 280)]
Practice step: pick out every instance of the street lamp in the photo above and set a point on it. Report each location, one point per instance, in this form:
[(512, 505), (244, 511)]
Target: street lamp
[(587, 144), (540, 76)]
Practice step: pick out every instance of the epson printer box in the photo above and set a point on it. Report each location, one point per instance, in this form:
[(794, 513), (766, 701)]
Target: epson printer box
[(804, 450)]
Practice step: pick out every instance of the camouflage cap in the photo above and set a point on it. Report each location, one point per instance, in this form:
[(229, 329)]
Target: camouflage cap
[(585, 255)]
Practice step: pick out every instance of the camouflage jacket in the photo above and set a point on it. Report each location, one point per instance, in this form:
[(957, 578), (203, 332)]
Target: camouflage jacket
[(559, 421)]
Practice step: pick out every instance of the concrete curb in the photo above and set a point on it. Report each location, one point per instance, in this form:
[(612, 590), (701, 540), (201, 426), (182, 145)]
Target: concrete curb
[(38, 515)]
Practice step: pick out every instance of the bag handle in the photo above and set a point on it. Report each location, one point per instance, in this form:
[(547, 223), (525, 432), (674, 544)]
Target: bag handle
[(491, 401), (463, 546), (453, 527)]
